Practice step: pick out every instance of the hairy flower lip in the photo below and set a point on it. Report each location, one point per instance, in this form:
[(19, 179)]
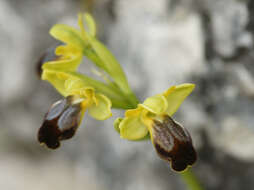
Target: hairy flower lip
[(173, 143), (48, 135), (60, 122)]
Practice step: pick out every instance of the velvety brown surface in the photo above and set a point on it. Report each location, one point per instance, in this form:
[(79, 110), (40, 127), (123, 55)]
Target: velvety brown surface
[(60, 123), (173, 143)]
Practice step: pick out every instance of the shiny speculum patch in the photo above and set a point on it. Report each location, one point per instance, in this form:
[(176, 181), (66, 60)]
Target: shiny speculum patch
[(60, 123)]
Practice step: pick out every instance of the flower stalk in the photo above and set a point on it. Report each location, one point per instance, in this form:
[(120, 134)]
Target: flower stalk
[(191, 180)]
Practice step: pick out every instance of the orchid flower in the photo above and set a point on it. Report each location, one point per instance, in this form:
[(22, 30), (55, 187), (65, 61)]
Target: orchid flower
[(172, 141)]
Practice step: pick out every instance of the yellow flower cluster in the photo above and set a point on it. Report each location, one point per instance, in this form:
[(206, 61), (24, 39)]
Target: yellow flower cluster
[(81, 93)]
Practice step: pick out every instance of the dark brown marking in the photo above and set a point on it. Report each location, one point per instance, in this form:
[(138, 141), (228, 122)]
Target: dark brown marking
[(48, 55), (173, 143), (60, 123)]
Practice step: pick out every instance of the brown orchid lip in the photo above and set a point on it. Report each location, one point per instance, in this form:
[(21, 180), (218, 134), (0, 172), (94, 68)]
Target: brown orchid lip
[(60, 122), (173, 143)]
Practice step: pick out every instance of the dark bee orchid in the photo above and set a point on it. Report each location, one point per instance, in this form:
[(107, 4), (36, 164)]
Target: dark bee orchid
[(152, 118), (64, 117), (173, 143), (61, 122)]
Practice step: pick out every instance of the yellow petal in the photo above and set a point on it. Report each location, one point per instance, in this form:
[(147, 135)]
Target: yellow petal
[(67, 83), (176, 95), (69, 58), (132, 128), (89, 93), (81, 26), (68, 35), (156, 104), (76, 86), (56, 79), (91, 24), (117, 123), (133, 112), (69, 64), (101, 110), (67, 50)]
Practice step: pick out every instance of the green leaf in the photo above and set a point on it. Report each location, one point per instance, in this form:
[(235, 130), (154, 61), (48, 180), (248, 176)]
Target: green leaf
[(176, 95), (110, 64)]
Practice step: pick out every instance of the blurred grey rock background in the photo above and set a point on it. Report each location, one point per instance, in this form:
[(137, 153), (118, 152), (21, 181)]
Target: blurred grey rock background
[(159, 43)]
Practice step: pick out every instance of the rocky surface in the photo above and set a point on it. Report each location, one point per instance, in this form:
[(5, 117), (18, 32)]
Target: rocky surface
[(159, 43)]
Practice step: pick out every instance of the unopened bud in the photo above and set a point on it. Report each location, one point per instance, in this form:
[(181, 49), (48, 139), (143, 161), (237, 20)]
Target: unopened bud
[(48, 55)]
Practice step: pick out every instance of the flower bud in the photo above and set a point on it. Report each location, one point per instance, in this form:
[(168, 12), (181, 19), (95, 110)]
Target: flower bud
[(60, 122), (173, 143), (48, 55)]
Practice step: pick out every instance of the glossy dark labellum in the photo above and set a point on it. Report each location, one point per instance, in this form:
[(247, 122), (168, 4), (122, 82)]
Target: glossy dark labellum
[(60, 123), (173, 143)]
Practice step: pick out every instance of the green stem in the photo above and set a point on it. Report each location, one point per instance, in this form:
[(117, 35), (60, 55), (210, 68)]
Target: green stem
[(131, 98), (110, 65), (191, 180)]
